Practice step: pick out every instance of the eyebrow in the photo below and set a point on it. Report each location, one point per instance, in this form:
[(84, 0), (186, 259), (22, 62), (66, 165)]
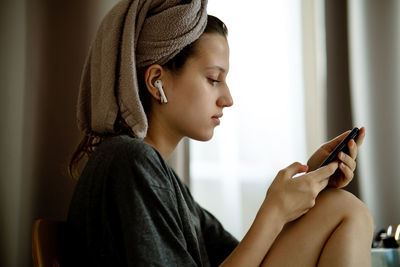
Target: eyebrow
[(217, 67)]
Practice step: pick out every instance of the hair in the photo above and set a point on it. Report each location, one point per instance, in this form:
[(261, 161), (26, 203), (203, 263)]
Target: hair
[(90, 141)]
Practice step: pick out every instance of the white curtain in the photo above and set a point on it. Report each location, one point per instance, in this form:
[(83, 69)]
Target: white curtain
[(374, 33), (264, 131)]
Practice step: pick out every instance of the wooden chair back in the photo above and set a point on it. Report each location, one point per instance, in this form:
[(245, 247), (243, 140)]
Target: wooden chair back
[(45, 238)]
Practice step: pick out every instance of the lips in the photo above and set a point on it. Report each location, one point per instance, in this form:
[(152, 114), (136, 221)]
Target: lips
[(219, 115), (216, 118)]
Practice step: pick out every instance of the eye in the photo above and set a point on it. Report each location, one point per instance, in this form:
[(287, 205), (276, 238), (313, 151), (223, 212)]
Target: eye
[(213, 82)]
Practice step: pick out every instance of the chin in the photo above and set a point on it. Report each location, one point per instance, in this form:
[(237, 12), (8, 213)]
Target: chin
[(205, 136)]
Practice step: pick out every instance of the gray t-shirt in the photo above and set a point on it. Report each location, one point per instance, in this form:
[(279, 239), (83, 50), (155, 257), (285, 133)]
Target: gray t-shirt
[(129, 208)]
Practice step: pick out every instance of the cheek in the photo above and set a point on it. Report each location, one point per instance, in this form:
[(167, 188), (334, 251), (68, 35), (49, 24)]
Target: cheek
[(193, 93), (200, 102), (193, 98), (193, 110)]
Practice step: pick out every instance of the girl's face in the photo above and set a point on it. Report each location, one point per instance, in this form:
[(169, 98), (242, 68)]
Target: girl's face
[(199, 93)]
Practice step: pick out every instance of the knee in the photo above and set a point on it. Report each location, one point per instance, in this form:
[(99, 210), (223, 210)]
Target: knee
[(348, 206)]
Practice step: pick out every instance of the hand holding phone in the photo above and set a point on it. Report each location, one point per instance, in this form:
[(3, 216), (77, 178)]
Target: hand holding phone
[(342, 146)]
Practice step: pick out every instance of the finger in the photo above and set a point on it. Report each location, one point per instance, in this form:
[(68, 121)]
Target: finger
[(348, 173), (348, 160), (360, 136), (352, 148), (322, 184), (293, 169), (330, 145), (324, 172)]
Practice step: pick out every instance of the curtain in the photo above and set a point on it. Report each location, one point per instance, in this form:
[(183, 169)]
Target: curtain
[(314, 72), (339, 117), (374, 32), (12, 73), (180, 160), (363, 89), (44, 44)]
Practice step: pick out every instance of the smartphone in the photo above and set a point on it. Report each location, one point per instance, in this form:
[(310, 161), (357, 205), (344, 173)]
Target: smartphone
[(340, 147)]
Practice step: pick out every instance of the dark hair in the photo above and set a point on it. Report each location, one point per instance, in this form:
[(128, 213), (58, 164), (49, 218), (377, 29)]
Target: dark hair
[(90, 141)]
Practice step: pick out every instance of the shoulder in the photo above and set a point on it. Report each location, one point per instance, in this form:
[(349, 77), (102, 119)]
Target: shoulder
[(125, 144), (123, 147), (125, 158)]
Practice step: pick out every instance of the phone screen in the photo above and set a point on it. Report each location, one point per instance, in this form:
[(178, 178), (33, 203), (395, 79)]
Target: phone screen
[(341, 147)]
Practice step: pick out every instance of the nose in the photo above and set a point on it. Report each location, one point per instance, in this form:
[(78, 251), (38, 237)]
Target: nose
[(225, 100)]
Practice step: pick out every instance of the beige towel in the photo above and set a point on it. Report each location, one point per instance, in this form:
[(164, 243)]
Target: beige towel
[(134, 34)]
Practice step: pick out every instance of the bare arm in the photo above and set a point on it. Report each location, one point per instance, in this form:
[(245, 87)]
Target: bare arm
[(258, 240), (286, 200)]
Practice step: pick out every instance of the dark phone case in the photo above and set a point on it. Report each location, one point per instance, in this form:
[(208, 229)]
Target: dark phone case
[(340, 147)]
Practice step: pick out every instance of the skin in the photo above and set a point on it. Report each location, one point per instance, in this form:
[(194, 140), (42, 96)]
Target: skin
[(299, 217)]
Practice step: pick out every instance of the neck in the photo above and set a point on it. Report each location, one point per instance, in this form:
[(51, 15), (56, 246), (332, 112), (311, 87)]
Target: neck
[(161, 138)]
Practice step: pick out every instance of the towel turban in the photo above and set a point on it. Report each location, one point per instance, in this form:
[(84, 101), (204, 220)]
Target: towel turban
[(133, 35)]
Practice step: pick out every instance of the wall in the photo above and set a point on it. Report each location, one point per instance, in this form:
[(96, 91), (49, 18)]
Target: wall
[(43, 47), (12, 83)]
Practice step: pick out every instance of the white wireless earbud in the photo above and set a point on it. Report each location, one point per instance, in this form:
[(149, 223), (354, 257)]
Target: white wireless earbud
[(158, 84)]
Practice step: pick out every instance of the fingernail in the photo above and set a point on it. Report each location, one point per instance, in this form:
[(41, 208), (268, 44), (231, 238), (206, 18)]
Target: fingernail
[(341, 155), (342, 165)]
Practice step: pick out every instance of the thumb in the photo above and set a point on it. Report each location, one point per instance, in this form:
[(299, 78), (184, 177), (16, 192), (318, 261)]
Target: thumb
[(293, 169)]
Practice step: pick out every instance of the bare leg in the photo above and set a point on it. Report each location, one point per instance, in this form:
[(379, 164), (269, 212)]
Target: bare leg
[(336, 232)]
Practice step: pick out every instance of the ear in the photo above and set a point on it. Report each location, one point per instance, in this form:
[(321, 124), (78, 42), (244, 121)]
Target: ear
[(153, 73)]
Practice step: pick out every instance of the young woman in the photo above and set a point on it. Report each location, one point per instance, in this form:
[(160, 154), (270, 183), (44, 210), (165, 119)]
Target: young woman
[(130, 208)]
